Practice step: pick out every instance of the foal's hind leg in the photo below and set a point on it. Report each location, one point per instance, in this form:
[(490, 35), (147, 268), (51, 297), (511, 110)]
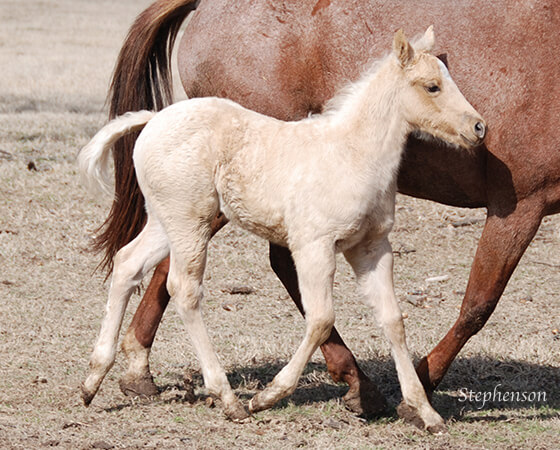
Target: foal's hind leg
[(141, 332), (373, 265), (184, 284), (131, 264), (315, 264)]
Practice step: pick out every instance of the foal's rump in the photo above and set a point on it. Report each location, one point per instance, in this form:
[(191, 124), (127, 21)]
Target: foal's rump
[(204, 155)]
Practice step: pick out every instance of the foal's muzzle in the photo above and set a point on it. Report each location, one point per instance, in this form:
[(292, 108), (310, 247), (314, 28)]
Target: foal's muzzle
[(476, 131), (480, 130)]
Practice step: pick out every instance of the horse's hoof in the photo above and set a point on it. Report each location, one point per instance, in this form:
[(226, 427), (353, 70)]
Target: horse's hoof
[(366, 400), (236, 412), (410, 414), (86, 395), (142, 386)]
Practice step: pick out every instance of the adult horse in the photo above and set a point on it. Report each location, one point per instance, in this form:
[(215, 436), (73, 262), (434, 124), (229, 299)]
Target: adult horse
[(285, 59)]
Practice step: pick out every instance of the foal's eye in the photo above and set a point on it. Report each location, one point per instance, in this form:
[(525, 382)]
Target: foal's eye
[(433, 88)]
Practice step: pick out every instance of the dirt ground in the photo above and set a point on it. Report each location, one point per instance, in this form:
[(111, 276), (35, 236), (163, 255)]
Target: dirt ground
[(56, 59)]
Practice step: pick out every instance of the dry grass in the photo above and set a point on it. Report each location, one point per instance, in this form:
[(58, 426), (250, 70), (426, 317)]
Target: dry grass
[(56, 60)]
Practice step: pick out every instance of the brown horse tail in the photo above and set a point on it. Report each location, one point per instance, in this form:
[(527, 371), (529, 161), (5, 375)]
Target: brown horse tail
[(141, 80)]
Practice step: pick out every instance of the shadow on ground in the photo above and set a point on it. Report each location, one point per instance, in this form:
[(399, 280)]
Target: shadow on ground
[(472, 384)]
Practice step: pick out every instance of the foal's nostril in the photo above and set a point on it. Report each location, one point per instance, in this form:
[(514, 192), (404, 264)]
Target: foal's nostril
[(480, 130)]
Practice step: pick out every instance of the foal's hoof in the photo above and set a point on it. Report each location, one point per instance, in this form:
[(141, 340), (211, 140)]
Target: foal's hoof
[(142, 386), (411, 415), (86, 395), (365, 400), (236, 412), (258, 403)]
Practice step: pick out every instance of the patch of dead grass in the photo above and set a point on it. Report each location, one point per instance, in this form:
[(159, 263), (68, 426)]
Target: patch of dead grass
[(53, 300)]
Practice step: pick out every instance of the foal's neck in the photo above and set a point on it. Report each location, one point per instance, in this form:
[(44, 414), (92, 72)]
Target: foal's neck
[(371, 118)]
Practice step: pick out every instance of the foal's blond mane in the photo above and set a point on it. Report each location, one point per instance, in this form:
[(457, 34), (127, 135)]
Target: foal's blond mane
[(354, 89)]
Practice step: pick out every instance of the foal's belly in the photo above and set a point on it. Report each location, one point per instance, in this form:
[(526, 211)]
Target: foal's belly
[(302, 226), (252, 211)]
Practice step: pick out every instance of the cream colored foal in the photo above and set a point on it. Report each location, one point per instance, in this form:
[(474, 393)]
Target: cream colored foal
[(319, 186)]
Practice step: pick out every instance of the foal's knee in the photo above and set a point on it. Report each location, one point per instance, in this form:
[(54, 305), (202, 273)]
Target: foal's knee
[(187, 293), (392, 323)]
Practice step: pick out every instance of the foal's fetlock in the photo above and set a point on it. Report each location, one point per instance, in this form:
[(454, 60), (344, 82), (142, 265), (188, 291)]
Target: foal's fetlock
[(268, 397), (431, 422), (98, 368), (259, 403)]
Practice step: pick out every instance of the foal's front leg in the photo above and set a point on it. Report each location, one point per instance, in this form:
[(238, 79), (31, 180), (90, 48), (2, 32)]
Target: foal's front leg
[(373, 264), (363, 396), (315, 264)]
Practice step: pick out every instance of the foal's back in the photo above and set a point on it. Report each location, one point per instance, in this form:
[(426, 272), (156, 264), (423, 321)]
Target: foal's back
[(211, 154)]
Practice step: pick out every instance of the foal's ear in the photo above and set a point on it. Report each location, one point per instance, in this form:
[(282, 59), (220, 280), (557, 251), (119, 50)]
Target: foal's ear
[(402, 48), (426, 42)]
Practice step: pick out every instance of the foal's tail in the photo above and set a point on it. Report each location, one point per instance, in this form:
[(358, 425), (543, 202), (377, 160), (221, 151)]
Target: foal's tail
[(93, 159), (141, 80)]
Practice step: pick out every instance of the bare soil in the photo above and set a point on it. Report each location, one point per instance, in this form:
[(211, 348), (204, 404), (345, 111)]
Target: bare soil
[(56, 60)]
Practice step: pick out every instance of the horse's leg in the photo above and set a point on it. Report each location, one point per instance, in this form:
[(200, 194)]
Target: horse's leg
[(184, 283), (131, 264), (141, 332), (373, 265), (363, 397), (315, 264), (504, 240), (140, 335)]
